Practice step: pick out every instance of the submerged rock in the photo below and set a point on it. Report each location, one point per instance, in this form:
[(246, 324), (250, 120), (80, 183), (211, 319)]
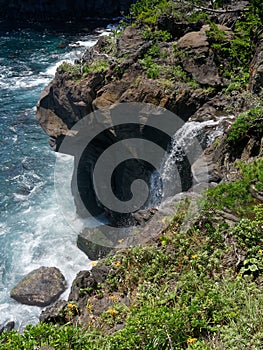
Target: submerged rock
[(40, 287), (7, 327)]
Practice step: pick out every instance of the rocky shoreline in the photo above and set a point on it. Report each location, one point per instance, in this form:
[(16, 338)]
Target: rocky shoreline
[(116, 71)]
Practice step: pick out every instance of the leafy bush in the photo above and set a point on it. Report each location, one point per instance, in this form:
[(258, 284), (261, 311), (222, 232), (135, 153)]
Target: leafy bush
[(233, 196), (98, 66), (74, 70), (59, 337), (246, 120), (147, 11), (158, 35), (252, 172)]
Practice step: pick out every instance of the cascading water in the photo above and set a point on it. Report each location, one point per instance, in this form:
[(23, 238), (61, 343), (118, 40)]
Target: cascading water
[(188, 143)]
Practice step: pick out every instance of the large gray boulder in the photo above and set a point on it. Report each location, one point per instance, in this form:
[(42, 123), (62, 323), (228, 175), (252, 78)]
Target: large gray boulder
[(40, 287)]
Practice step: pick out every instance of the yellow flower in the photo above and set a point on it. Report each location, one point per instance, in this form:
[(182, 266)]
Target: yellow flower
[(89, 307), (94, 263), (112, 312), (118, 264), (191, 340), (71, 306), (113, 297), (260, 251), (194, 257), (164, 220)]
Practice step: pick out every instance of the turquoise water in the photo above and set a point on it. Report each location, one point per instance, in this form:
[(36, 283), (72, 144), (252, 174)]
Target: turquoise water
[(33, 231)]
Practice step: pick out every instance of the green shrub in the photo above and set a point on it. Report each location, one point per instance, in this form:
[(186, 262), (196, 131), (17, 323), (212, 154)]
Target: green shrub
[(252, 172), (158, 35), (98, 66), (74, 70), (59, 337), (152, 69), (233, 196), (249, 234), (243, 122), (147, 11)]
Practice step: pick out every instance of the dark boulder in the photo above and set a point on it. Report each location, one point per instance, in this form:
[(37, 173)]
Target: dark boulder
[(175, 28), (84, 286), (93, 250), (54, 313), (7, 327), (40, 287), (86, 282)]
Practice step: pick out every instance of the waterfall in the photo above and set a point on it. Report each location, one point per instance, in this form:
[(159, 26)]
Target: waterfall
[(188, 143)]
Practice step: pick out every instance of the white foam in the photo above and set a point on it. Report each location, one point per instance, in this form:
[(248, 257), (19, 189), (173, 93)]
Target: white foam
[(44, 239), (84, 43), (36, 233)]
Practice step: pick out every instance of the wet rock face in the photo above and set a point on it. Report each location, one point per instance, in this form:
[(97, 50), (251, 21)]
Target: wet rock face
[(93, 250), (40, 287), (45, 10)]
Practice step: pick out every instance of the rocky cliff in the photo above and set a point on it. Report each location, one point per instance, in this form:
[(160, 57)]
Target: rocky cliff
[(194, 281), (177, 65)]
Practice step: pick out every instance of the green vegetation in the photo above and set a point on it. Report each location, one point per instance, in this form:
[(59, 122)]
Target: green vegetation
[(158, 35), (232, 52), (250, 119), (78, 71), (97, 66), (148, 11), (60, 337), (74, 70), (235, 196), (194, 289)]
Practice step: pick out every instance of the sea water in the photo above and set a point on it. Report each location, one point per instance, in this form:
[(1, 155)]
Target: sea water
[(33, 231)]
